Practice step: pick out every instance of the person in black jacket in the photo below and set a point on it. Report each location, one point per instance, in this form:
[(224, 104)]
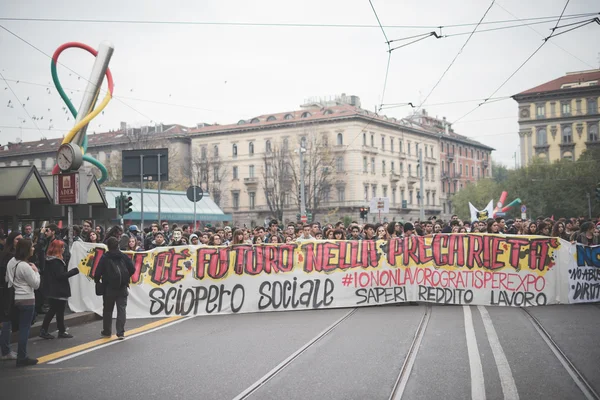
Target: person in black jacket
[(5, 256), (108, 271), (56, 289)]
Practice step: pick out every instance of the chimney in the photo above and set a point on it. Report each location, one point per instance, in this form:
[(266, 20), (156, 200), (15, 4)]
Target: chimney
[(123, 126)]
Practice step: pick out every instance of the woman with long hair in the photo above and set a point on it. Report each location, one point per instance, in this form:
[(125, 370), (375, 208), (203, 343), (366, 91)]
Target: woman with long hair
[(338, 234), (133, 244), (92, 237), (381, 233), (492, 226), (329, 234), (274, 239), (100, 233), (215, 240), (7, 254), (558, 230), (238, 237), (531, 229), (544, 228), (56, 289), (25, 278)]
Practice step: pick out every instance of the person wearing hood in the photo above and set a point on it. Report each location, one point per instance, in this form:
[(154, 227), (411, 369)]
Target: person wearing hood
[(113, 273), (194, 241), (56, 289)]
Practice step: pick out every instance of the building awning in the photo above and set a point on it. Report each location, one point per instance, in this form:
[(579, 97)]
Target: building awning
[(23, 183), (174, 205)]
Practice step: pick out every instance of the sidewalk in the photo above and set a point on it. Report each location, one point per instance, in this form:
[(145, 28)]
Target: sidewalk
[(71, 319)]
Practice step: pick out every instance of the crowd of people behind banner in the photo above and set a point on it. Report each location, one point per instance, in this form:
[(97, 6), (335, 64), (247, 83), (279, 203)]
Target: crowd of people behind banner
[(31, 260)]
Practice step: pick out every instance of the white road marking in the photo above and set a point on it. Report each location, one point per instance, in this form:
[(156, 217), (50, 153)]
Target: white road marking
[(265, 378), (477, 383), (119, 341), (509, 388)]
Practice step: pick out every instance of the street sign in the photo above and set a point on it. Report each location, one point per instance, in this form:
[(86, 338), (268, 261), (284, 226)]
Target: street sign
[(500, 214), (523, 208), (132, 166), (194, 193), (66, 189), (523, 216), (380, 205)]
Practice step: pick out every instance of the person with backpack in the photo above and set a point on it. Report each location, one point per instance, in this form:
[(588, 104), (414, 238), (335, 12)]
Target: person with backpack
[(113, 274)]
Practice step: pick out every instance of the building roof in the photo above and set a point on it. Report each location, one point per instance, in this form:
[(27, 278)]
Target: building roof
[(94, 139), (578, 79)]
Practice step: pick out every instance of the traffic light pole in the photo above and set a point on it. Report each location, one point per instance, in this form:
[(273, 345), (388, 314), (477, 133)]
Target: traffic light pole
[(121, 210), (142, 191)]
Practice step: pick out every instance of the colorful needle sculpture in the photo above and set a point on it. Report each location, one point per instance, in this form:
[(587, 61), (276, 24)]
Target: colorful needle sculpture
[(91, 113)]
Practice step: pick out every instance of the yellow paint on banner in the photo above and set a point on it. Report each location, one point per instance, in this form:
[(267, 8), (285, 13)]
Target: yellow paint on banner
[(89, 345)]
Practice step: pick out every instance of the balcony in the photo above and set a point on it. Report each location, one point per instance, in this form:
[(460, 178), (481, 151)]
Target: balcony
[(394, 177), (402, 155), (251, 181), (430, 160), (485, 163), (445, 176), (457, 176), (541, 148), (412, 179), (450, 156), (369, 149)]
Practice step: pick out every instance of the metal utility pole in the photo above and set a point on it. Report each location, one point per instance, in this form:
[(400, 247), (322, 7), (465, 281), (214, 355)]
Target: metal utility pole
[(142, 191), (303, 218), (159, 189), (422, 203)]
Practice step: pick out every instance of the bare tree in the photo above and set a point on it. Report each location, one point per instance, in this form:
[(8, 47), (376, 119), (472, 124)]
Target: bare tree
[(210, 172), (277, 179), (319, 171)]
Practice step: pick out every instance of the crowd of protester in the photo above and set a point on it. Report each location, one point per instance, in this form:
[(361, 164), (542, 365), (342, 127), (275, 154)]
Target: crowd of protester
[(35, 262)]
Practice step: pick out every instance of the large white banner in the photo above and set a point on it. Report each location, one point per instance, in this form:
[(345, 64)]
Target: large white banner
[(472, 269)]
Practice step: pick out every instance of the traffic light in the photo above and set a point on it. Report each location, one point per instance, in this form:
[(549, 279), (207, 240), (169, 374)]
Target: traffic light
[(298, 217), (119, 204), (363, 212), (127, 203), (309, 217), (299, 194)]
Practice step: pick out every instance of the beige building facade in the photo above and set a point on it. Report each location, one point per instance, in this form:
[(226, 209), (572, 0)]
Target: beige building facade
[(559, 119)]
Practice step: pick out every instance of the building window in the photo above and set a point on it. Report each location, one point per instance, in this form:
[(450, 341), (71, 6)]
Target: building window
[(433, 198), (385, 191), (566, 108), (393, 195), (409, 170), (593, 133), (236, 200), (443, 187), (372, 140), (341, 192), (410, 197), (552, 109), (466, 170), (251, 171), (269, 170), (268, 146), (383, 143), (372, 165), (365, 165), (252, 198), (374, 190), (392, 145), (366, 192), (433, 174), (288, 116), (461, 169), (203, 153), (401, 169), (251, 148), (234, 150), (472, 171), (471, 153), (540, 110), (578, 107), (286, 144), (542, 137), (305, 114), (216, 151), (364, 138), (460, 151), (340, 139), (402, 195), (408, 147), (427, 198), (567, 134), (339, 164), (393, 169), (592, 106), (383, 168), (235, 172), (426, 173), (400, 147)]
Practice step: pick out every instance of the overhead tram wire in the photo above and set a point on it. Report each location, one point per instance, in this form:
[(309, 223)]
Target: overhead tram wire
[(20, 103), (455, 57), (526, 61), (261, 24), (387, 41), (73, 71), (543, 36)]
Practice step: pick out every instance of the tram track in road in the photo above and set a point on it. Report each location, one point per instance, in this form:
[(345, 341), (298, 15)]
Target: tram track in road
[(411, 356), (579, 379)]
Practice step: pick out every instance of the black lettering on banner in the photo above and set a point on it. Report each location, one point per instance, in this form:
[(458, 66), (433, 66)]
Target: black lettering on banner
[(381, 295), (517, 299), (587, 291), (445, 295), (314, 293), (180, 301)]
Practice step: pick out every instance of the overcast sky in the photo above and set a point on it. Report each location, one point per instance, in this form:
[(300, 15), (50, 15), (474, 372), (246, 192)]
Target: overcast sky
[(222, 73)]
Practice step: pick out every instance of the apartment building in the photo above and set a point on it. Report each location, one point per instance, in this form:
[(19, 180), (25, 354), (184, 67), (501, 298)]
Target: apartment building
[(559, 119)]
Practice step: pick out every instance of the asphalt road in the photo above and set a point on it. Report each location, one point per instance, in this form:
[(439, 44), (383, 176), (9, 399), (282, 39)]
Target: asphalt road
[(409, 352)]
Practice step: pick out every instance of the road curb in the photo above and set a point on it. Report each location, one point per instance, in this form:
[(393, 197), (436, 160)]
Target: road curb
[(71, 320)]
